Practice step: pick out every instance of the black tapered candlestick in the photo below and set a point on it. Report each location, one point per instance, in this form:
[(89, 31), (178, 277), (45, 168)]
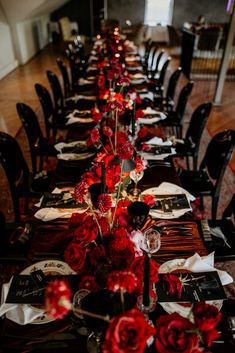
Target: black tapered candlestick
[(146, 293), (103, 186)]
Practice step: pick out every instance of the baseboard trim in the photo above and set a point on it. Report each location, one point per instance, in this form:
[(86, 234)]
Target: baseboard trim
[(7, 69)]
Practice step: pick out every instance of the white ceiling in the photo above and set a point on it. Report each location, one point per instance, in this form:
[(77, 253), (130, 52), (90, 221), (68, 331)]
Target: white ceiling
[(20, 10)]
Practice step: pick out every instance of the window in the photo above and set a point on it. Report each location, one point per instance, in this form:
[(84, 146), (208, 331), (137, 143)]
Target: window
[(158, 11)]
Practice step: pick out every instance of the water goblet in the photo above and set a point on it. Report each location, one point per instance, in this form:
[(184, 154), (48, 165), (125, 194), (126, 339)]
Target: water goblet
[(136, 176), (151, 243)]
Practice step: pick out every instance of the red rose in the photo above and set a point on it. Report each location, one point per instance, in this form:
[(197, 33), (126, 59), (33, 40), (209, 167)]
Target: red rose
[(96, 254), (172, 284), (57, 299), (122, 280), (139, 113), (206, 316), (75, 256), (149, 200), (105, 226), (76, 219), (87, 232), (127, 333), (137, 267), (208, 337), (97, 117), (175, 334)]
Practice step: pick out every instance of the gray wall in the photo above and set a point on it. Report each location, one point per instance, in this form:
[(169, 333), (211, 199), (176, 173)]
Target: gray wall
[(189, 10), (184, 10), (123, 10)]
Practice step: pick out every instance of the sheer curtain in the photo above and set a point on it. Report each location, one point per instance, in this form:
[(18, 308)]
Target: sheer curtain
[(158, 12)]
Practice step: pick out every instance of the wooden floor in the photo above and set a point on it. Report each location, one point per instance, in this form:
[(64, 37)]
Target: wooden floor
[(18, 86)]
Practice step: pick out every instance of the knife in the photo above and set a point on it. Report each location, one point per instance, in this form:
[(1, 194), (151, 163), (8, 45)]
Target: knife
[(174, 226)]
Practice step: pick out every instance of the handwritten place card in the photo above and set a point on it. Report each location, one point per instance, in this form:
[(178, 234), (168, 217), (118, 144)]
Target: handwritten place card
[(203, 286), (24, 289)]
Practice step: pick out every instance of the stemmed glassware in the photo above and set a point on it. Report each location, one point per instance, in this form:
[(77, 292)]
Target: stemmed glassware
[(151, 243), (136, 177)]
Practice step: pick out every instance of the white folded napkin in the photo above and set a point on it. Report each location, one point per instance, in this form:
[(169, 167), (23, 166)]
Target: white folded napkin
[(92, 68), (83, 81), (22, 314), (166, 188), (148, 95), (137, 81), (154, 119), (74, 120), (150, 111), (77, 97), (196, 263), (137, 75), (132, 58), (59, 146), (49, 213), (158, 141), (158, 157), (133, 68), (75, 156)]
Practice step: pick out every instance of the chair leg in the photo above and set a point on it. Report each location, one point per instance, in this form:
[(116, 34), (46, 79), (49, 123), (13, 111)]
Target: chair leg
[(214, 207)]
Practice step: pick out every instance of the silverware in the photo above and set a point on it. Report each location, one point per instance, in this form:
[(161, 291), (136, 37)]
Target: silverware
[(178, 227)]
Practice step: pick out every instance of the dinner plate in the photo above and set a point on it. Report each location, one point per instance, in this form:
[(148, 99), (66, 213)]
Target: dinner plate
[(168, 190), (75, 156), (49, 267), (183, 310)]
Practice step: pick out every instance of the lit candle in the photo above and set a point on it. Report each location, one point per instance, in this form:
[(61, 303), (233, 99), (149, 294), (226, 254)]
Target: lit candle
[(103, 186), (146, 298)]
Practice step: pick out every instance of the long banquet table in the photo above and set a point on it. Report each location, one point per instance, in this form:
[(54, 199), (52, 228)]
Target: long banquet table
[(48, 243)]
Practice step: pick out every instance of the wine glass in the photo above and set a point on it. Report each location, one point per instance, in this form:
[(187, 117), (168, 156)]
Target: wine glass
[(136, 176), (151, 243)]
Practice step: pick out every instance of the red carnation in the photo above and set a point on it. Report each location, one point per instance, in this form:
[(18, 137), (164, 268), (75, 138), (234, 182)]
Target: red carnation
[(125, 150), (58, 299), (107, 131), (104, 203), (95, 135), (125, 281), (97, 117), (88, 282), (80, 191)]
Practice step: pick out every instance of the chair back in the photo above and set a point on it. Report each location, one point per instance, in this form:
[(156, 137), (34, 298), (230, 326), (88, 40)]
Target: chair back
[(172, 84), (47, 107), (32, 130), (56, 91), (162, 74), (65, 76), (182, 100), (196, 126), (198, 122), (216, 159), (15, 167)]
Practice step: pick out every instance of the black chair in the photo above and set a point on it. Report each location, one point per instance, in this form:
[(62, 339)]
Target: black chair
[(52, 120), (167, 102), (207, 180), (191, 142), (63, 105), (38, 144), (22, 183), (65, 76), (175, 118), (156, 84)]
